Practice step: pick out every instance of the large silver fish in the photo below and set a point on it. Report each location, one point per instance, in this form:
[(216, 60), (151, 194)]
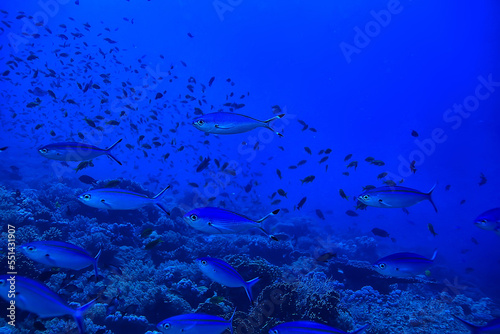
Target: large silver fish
[(395, 197), (120, 199), (223, 273), (403, 264), (217, 220), (37, 298), (226, 123), (195, 324), (71, 151), (489, 220), (60, 254)]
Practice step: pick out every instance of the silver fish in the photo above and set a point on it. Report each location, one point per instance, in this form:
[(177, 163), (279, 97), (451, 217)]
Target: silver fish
[(120, 199), (37, 298), (71, 151), (225, 123), (395, 197)]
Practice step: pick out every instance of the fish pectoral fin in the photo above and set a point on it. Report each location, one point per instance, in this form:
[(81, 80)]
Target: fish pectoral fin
[(218, 228), (218, 126), (103, 201), (381, 202)]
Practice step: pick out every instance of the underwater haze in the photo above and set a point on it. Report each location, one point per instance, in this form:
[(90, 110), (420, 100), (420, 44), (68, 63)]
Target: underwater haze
[(282, 165)]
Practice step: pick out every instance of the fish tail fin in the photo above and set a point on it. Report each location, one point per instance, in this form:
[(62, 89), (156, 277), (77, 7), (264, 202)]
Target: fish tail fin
[(112, 146), (473, 328), (108, 150), (79, 312), (95, 264), (359, 330), (248, 288), (157, 200), (272, 119), (275, 212), (429, 197), (113, 158), (160, 194), (434, 255), (231, 321)]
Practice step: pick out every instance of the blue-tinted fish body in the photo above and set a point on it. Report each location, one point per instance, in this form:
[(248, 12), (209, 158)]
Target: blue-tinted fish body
[(37, 298), (226, 123), (489, 220), (223, 273), (403, 264), (221, 221), (492, 327), (119, 199), (394, 197), (72, 151), (60, 254), (308, 327), (195, 324)]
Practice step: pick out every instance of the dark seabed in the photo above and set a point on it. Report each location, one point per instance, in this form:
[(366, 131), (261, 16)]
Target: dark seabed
[(344, 98)]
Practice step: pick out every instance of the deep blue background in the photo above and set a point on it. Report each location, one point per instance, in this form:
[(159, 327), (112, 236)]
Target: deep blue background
[(287, 53)]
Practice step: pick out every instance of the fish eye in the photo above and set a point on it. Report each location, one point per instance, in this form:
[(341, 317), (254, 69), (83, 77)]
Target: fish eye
[(273, 331), (43, 150), (166, 325), (193, 217), (87, 196), (31, 248), (484, 221), (382, 266), (366, 197), (200, 122), (2, 282), (204, 262)]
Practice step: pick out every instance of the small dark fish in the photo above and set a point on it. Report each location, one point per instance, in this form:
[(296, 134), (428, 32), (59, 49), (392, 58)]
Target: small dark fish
[(468, 270), (87, 179), (351, 213), (211, 81), (308, 179), (345, 173), (3, 148), (84, 164), (158, 96), (323, 159), (248, 187), (414, 133), (204, 164), (390, 183), (474, 240), (369, 159), (378, 163), (405, 210), (328, 151), (447, 187), (483, 179), (381, 175), (342, 194), (146, 232), (301, 203), (190, 35), (320, 214), (462, 202), (292, 167), (380, 233), (153, 244), (301, 162), (347, 157), (353, 164), (192, 184), (412, 166), (431, 229), (281, 192), (276, 202), (326, 256), (279, 173), (308, 150)]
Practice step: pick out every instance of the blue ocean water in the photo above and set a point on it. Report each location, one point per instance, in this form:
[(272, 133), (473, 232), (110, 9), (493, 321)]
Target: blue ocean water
[(354, 78)]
